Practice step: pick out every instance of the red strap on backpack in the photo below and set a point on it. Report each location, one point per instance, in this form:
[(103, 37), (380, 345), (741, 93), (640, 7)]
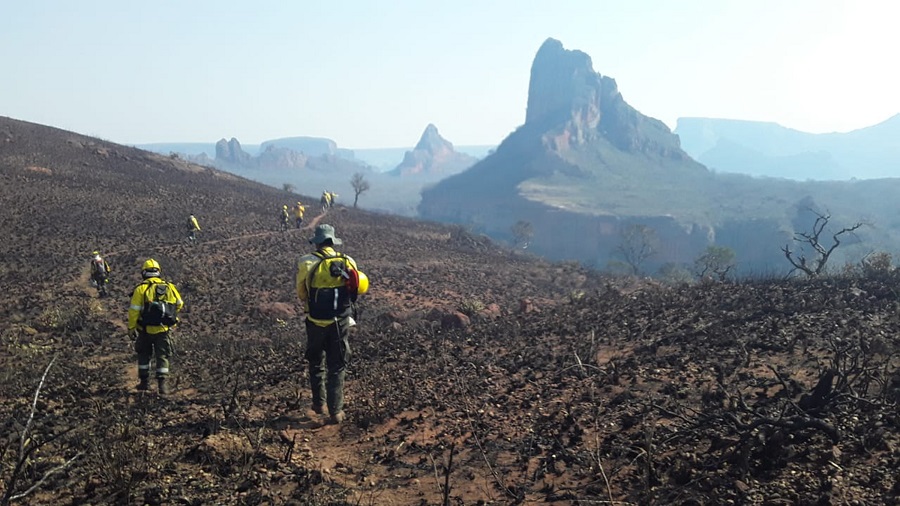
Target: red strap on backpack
[(352, 282)]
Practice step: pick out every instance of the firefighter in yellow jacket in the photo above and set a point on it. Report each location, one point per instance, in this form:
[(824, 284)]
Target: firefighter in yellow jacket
[(153, 312), (193, 228), (299, 209), (328, 282)]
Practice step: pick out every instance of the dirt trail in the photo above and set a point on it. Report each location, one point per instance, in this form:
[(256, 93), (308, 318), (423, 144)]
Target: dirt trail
[(309, 226), (306, 429), (109, 315)]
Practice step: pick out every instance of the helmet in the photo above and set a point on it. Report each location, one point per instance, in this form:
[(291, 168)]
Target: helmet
[(284, 206), (150, 265), (95, 253), (363, 282)]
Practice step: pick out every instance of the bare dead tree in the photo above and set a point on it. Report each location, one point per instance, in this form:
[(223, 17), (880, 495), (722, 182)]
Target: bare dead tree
[(360, 185), (639, 242), (813, 267), (716, 261)]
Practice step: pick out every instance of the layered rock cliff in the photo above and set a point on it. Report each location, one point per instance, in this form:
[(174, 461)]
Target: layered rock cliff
[(574, 105)]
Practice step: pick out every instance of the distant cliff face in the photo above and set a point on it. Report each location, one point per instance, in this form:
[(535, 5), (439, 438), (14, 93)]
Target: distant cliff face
[(586, 165), (768, 149), (309, 146), (579, 133), (273, 156), (433, 156), (573, 105), (281, 158)]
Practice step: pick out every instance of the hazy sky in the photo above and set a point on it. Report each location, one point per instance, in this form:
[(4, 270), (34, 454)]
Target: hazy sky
[(375, 73)]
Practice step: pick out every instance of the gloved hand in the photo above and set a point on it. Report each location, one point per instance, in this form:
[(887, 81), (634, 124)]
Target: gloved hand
[(133, 334)]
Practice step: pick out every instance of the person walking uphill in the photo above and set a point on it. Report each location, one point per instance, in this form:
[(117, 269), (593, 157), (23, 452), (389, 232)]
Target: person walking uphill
[(153, 312), (99, 273), (193, 228), (328, 283), (285, 217), (299, 209)]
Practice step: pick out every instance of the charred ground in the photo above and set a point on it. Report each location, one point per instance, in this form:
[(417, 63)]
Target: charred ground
[(479, 375)]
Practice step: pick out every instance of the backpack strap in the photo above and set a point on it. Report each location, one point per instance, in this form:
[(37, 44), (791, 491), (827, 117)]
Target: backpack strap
[(150, 286), (312, 272)]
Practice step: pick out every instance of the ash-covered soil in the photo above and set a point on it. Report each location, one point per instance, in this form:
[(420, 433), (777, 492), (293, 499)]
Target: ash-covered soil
[(479, 376)]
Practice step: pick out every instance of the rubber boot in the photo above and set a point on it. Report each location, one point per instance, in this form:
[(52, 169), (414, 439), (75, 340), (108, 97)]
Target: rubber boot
[(144, 385), (163, 386)]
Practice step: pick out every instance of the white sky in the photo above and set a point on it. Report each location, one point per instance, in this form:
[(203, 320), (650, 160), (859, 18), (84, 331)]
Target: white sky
[(374, 73)]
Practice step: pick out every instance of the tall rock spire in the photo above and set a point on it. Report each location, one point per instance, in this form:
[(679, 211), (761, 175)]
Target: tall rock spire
[(572, 104), (433, 155)]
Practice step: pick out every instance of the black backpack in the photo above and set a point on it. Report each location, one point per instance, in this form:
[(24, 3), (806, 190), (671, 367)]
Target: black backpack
[(160, 305), (99, 268)]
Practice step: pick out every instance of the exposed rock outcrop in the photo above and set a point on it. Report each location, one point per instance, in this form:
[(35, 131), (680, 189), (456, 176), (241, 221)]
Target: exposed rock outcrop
[(281, 158), (573, 104), (433, 156), (309, 146), (230, 152), (278, 158), (579, 133)]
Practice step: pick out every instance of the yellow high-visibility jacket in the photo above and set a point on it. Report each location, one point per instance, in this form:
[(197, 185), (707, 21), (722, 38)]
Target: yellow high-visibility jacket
[(194, 223), (307, 262), (139, 298), (298, 211)]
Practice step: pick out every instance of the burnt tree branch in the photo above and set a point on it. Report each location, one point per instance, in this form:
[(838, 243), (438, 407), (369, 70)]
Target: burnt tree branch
[(815, 266)]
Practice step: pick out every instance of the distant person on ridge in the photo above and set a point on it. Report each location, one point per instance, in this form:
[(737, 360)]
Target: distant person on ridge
[(332, 199), (298, 214), (193, 228), (99, 273), (326, 199), (328, 283), (152, 315), (285, 217)]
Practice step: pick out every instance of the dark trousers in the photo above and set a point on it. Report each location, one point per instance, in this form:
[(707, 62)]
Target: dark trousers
[(100, 280), (149, 346), (328, 353), (299, 222)]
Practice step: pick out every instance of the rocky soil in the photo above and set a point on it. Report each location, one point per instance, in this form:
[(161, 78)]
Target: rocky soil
[(480, 375)]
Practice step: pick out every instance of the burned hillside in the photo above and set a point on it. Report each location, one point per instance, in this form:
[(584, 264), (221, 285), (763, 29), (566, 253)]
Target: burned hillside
[(480, 375)]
